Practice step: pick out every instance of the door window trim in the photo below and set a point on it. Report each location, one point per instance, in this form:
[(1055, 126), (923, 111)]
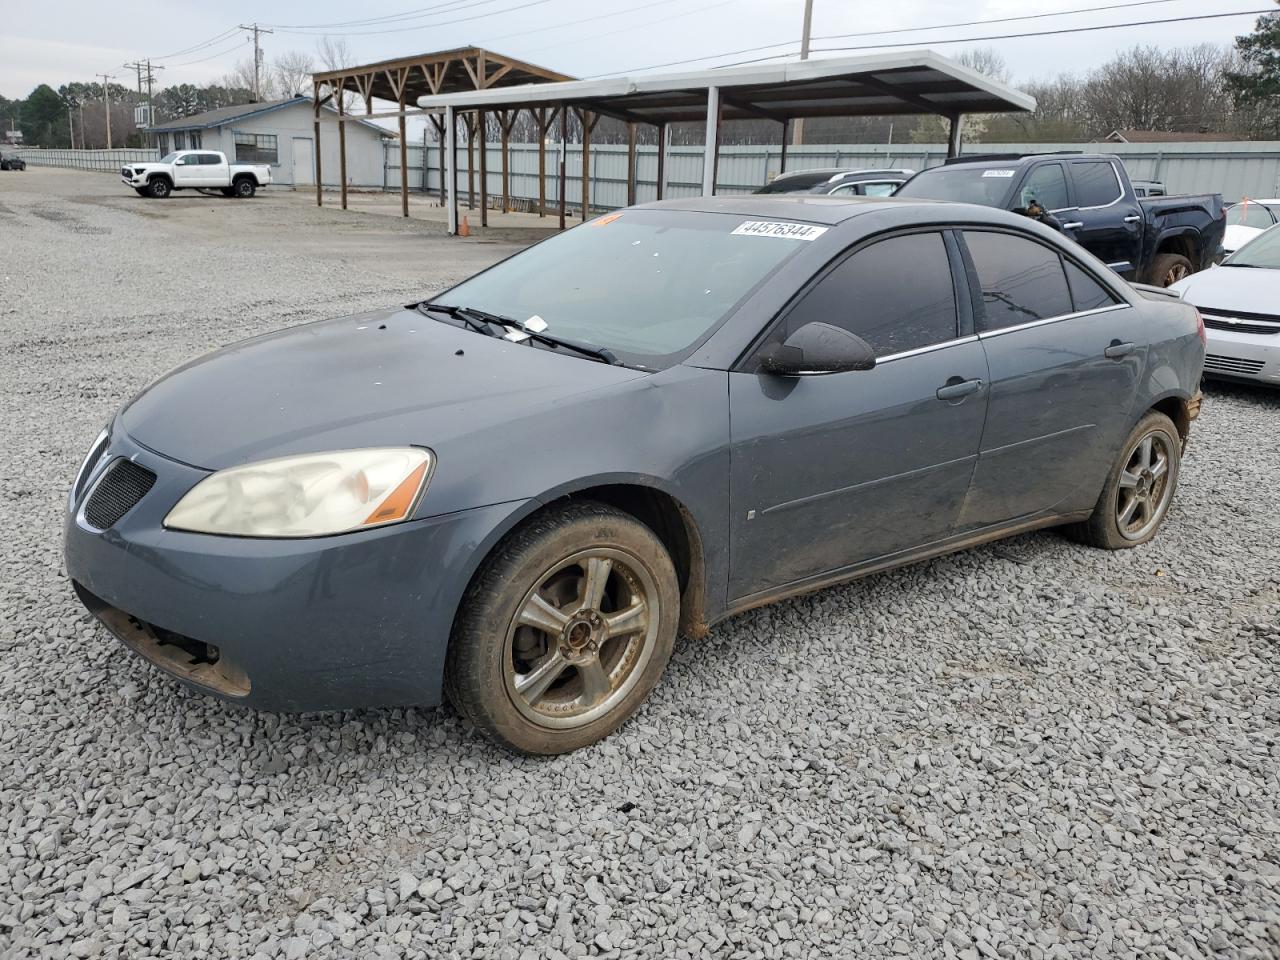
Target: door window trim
[(987, 335), (964, 308)]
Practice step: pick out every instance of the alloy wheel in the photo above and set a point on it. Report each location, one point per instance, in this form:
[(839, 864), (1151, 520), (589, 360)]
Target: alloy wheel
[(581, 638), (1144, 490), (1175, 273)]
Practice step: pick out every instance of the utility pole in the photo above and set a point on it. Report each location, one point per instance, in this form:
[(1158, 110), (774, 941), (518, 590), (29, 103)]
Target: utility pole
[(140, 66), (804, 55), (106, 102), (257, 31)]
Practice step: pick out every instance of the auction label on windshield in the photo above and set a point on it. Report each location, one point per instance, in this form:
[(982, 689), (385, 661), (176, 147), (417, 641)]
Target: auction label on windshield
[(998, 173), (774, 228)]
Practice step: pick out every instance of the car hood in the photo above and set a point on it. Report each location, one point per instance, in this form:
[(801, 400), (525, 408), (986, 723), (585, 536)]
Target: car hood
[(383, 378), (1233, 288)]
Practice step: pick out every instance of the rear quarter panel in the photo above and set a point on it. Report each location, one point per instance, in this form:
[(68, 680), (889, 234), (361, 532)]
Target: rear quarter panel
[(1175, 354)]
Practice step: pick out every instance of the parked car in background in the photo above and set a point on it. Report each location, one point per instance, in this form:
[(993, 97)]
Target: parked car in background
[(1148, 188), (772, 395), (1247, 219), (1240, 303), (195, 170), (12, 161), (839, 182), (1157, 240)]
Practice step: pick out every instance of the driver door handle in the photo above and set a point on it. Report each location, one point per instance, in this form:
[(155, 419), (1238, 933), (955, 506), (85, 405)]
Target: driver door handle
[(1073, 225), (957, 389), (1117, 350), (1133, 218)]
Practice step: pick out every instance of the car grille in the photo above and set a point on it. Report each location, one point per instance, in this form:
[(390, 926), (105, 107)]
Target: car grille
[(122, 485), (1240, 321), (1219, 364)]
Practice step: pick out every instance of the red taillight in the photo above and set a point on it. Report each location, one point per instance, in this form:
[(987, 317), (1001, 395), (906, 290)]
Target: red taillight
[(1204, 337)]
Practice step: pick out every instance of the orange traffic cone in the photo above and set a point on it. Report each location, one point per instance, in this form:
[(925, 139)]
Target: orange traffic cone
[(465, 229)]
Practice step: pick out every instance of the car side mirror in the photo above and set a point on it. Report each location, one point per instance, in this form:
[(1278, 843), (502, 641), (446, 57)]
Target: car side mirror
[(817, 348)]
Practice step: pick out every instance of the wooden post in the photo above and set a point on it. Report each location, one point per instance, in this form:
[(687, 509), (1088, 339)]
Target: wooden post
[(631, 164), (782, 161), (342, 142), (662, 159), (482, 136), (445, 188), (505, 120), (404, 150), (541, 115), (315, 93), (711, 149)]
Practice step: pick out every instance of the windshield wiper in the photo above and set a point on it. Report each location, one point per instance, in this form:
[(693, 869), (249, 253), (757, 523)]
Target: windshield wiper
[(477, 320), (603, 354)]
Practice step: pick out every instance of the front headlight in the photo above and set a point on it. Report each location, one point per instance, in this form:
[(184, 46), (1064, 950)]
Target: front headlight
[(307, 496)]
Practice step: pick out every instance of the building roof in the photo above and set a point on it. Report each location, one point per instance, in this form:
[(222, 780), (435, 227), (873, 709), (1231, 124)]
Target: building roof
[(1166, 136), (912, 81), (225, 115), (439, 72)]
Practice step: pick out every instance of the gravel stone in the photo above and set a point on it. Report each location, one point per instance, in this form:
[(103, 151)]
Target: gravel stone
[(1028, 750)]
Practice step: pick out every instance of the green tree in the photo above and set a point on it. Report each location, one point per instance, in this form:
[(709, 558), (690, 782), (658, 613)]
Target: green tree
[(1257, 88), (44, 118)]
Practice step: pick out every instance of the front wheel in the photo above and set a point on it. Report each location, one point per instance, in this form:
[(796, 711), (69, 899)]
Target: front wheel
[(244, 188), (565, 629), (1139, 489), (159, 188)]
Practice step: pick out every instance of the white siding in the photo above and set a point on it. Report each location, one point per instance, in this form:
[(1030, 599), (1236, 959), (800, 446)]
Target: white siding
[(364, 144)]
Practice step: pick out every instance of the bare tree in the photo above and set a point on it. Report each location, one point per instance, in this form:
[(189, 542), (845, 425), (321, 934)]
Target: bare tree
[(292, 73), (241, 77), (335, 54)]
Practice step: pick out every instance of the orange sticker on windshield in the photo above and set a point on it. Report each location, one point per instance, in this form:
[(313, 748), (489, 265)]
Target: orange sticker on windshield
[(605, 220)]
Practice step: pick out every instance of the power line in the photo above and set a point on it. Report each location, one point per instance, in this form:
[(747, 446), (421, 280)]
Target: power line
[(239, 42), (610, 33), (421, 26), (878, 46), (449, 6), (198, 46)]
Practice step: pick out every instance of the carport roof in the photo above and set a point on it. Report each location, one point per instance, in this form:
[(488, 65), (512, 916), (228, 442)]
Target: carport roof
[(916, 81)]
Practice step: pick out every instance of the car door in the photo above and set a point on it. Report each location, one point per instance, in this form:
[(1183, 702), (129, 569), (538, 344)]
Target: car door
[(834, 470), (213, 170), (186, 170), (1065, 354), (1107, 219), (1046, 185)]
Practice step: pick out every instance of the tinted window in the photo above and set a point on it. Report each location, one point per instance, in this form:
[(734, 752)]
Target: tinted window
[(1086, 292), (1021, 280), (1047, 185), (1096, 183), (209, 159), (896, 294)]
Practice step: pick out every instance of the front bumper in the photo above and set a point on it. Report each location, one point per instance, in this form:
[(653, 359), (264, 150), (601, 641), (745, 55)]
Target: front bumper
[(1243, 356), (326, 623)]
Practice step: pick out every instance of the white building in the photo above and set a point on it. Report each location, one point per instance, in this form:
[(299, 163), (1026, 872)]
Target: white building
[(282, 133)]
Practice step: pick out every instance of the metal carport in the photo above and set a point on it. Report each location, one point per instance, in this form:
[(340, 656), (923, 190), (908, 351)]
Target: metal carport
[(919, 81)]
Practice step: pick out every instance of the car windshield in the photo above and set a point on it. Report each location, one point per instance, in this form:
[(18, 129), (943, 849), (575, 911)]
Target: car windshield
[(169, 157), (987, 185), (649, 285), (1262, 251), (1248, 214)]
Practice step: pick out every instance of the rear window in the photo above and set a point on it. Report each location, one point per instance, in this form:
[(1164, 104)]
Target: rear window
[(1246, 214), (1022, 281)]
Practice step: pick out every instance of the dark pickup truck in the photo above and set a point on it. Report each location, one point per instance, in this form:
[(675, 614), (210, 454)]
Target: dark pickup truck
[(1156, 240)]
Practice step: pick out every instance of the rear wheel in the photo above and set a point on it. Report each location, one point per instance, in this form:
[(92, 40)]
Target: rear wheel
[(159, 188), (565, 630), (1169, 268), (244, 188), (1139, 489)]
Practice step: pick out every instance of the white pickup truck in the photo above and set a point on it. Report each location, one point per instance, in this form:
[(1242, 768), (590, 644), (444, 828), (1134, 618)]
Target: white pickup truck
[(195, 170)]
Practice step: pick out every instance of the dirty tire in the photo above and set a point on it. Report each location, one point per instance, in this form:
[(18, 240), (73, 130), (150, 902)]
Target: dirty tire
[(244, 188), (496, 655), (1104, 527), (1169, 268), (159, 188)]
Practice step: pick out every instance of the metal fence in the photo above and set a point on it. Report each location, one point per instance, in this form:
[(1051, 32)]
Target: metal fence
[(1234, 169), (107, 161)]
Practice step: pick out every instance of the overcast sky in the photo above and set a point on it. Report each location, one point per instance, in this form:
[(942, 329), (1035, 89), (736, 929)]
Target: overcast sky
[(61, 40)]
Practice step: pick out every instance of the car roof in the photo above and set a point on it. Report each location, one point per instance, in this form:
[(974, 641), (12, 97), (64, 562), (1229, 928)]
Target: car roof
[(1018, 160), (834, 210)]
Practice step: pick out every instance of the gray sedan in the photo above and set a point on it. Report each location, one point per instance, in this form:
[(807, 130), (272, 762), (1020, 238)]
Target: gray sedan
[(518, 492)]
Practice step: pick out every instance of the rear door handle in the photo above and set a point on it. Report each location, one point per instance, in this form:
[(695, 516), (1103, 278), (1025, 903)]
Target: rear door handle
[(957, 389), (1118, 350), (1133, 218), (1073, 225)]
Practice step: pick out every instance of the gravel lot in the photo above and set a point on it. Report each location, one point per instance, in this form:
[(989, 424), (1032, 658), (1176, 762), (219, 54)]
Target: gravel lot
[(1028, 750)]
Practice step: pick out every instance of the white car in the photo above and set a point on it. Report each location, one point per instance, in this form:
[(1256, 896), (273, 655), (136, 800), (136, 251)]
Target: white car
[(195, 170), (1247, 219), (1240, 302)]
